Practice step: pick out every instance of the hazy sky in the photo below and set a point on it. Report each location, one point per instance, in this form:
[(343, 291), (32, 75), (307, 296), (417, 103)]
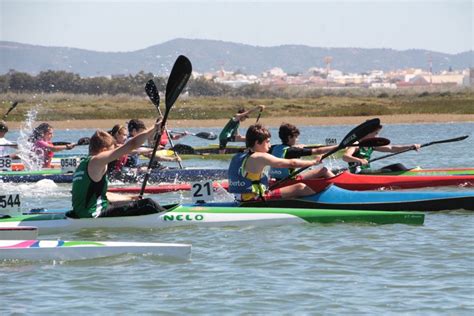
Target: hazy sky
[(440, 25)]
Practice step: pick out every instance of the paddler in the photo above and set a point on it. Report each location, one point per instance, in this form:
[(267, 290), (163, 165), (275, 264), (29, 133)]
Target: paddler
[(230, 132), (247, 179), (358, 157), (288, 149), (90, 181), (4, 141), (136, 126), (43, 147)]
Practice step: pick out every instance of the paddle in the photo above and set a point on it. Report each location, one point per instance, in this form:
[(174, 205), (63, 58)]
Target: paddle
[(81, 141), (203, 135), (354, 135), (258, 116), (177, 80), (424, 145), (9, 110), (369, 142), (152, 92)]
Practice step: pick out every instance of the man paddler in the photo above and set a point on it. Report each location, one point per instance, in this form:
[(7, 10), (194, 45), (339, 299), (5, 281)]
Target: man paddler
[(247, 179), (230, 132), (89, 185), (289, 149)]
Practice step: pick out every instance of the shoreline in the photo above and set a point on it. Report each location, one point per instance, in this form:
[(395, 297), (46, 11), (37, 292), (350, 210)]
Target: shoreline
[(270, 121)]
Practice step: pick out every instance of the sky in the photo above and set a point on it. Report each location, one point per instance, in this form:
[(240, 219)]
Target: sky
[(439, 25)]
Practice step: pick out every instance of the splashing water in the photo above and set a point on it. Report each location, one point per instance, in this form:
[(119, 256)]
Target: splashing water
[(25, 147)]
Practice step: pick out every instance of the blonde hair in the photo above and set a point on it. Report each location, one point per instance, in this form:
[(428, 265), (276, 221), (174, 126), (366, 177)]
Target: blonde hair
[(99, 141)]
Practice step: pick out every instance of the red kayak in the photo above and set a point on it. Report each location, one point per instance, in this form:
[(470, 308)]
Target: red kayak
[(343, 180)]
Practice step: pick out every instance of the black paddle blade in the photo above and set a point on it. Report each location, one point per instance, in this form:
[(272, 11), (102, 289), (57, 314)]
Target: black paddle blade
[(83, 141), (179, 76), (10, 109), (360, 131), (373, 142), (152, 92), (355, 134), (207, 135)]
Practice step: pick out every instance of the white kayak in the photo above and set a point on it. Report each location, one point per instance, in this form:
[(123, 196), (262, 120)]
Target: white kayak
[(33, 250), (18, 233)]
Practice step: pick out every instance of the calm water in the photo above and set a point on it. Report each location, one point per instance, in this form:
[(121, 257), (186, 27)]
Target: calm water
[(306, 269)]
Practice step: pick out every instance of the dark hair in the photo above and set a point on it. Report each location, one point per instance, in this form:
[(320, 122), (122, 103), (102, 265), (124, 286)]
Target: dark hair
[(135, 124), (39, 131), (256, 133), (3, 127), (286, 131), (100, 139)]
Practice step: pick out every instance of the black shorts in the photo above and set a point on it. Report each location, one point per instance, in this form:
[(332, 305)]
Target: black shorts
[(223, 142), (133, 208)]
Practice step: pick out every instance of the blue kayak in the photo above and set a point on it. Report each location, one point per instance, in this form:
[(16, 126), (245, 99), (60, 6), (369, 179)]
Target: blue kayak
[(334, 197)]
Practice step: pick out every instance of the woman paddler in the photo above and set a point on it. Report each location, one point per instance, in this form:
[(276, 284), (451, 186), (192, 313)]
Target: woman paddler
[(89, 185), (247, 179), (289, 149), (43, 147), (358, 157)]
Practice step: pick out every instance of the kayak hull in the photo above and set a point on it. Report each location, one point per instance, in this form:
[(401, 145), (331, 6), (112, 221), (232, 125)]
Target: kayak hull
[(344, 180), (334, 197), (80, 250), (17, 233), (162, 175), (431, 172), (210, 215)]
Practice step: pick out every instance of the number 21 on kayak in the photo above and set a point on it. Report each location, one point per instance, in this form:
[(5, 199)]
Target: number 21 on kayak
[(202, 191)]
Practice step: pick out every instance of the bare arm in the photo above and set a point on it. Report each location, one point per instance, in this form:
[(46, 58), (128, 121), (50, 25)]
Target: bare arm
[(98, 163), (349, 156), (258, 161)]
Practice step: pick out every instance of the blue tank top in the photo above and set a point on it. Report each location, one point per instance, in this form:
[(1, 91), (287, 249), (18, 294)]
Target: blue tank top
[(238, 180), (280, 152)]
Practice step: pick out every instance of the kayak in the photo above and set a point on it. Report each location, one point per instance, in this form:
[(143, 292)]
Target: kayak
[(344, 180), (157, 175), (79, 250), (334, 197), (26, 232), (212, 215), (431, 172)]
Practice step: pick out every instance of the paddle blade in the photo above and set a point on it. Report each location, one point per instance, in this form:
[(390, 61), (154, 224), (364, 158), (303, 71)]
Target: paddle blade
[(207, 135), (83, 141), (356, 134), (152, 92), (373, 142), (179, 76), (10, 109)]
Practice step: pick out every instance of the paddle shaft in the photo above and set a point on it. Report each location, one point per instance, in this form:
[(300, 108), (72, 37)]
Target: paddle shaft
[(424, 145), (170, 139), (9, 110)]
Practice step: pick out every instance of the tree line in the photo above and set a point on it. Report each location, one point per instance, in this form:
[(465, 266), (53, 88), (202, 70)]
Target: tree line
[(61, 81)]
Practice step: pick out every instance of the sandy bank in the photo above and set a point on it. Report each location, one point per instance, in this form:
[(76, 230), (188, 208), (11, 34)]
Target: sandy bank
[(272, 121)]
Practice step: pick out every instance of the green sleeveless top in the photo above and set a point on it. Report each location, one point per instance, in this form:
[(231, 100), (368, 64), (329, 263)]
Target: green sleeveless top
[(364, 153), (88, 197)]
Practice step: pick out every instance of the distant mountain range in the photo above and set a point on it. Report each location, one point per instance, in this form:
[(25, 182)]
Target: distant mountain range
[(210, 55)]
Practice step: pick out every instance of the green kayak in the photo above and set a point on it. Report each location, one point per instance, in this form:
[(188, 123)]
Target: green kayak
[(189, 215)]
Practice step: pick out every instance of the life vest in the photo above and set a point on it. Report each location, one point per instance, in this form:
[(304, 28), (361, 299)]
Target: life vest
[(363, 153), (239, 181), (164, 139), (280, 152)]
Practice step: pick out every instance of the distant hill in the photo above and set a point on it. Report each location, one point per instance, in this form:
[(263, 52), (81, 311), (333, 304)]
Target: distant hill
[(210, 55)]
